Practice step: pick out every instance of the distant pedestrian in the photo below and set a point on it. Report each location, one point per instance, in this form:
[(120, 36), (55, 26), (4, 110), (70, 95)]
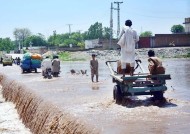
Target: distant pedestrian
[(94, 68), (55, 66), (18, 61), (15, 60), (127, 41), (1, 59)]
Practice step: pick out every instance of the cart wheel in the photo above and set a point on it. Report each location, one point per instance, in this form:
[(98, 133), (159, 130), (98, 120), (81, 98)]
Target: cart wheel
[(35, 70), (158, 95), (117, 95)]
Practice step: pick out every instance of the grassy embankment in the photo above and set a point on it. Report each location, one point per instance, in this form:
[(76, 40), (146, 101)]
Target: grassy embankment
[(67, 56), (184, 56), (179, 56)]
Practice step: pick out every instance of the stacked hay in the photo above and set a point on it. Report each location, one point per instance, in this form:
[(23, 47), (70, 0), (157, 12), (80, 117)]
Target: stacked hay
[(31, 61)]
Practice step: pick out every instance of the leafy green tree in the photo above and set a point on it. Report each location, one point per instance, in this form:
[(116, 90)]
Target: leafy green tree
[(81, 44), (35, 40), (146, 34), (21, 34), (95, 31), (106, 32), (6, 44), (85, 35), (66, 39), (67, 42), (77, 36), (177, 29), (59, 39)]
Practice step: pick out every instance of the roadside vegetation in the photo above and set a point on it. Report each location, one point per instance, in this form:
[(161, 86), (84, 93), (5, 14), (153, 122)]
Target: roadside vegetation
[(183, 56), (25, 38), (67, 56)]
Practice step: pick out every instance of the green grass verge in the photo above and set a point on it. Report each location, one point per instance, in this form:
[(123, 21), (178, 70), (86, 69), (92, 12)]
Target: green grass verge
[(66, 56), (183, 56)]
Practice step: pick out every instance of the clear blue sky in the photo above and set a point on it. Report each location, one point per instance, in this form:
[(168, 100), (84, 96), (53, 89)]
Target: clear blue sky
[(45, 16)]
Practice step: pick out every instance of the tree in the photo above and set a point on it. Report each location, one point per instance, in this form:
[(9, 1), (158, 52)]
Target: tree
[(85, 35), (67, 42), (35, 40), (146, 34), (6, 44), (81, 44), (177, 29), (21, 34), (106, 33), (95, 31), (58, 39), (77, 36)]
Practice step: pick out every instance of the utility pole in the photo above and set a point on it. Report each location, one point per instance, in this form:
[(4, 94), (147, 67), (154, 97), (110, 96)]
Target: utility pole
[(69, 28), (118, 17), (111, 24), (54, 38)]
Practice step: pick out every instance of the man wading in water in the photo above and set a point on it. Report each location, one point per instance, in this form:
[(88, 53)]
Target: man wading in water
[(94, 68), (127, 40)]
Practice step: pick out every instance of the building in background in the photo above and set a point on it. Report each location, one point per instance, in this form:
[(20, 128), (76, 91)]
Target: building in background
[(92, 43), (187, 25)]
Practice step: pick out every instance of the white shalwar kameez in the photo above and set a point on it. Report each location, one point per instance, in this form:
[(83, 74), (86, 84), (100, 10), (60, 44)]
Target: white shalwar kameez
[(46, 63), (127, 40)]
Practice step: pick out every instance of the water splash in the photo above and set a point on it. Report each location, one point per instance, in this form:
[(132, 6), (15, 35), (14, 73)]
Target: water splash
[(40, 116)]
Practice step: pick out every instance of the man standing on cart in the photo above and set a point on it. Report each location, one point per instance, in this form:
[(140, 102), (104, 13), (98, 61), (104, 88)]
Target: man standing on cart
[(127, 41)]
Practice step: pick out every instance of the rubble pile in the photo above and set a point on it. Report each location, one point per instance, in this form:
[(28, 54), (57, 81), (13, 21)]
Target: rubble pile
[(142, 53)]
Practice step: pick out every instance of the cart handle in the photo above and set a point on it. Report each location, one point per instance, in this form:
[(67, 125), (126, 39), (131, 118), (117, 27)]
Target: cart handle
[(109, 66), (111, 61)]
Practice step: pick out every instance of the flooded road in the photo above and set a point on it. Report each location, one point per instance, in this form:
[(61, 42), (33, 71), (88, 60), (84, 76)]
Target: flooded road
[(93, 102)]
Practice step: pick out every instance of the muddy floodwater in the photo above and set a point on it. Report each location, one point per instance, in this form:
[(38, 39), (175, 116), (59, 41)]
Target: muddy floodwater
[(93, 103)]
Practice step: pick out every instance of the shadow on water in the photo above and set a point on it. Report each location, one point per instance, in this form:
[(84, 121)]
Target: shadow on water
[(132, 103)]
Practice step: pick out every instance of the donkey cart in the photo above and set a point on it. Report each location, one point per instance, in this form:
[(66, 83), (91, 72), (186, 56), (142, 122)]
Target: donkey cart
[(138, 84)]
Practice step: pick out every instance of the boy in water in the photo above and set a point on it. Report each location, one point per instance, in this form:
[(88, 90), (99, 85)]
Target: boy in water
[(94, 68), (155, 64)]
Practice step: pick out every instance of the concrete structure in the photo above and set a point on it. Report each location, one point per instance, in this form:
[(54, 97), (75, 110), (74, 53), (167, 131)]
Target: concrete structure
[(101, 44), (187, 25), (92, 44)]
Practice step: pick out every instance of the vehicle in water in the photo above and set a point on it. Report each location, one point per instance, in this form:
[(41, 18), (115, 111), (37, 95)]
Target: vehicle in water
[(7, 60), (138, 84), (30, 63)]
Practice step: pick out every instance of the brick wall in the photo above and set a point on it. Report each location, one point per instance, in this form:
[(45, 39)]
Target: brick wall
[(144, 42), (167, 40)]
